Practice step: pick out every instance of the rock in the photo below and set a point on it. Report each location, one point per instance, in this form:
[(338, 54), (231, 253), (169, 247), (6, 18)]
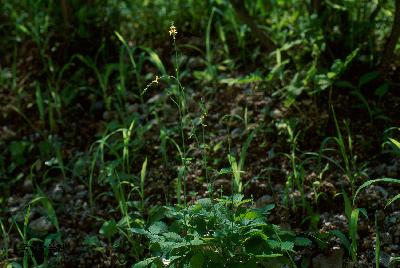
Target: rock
[(386, 238), (81, 194), (156, 98), (333, 260), (276, 114), (225, 184), (131, 108), (27, 186), (57, 192), (41, 225)]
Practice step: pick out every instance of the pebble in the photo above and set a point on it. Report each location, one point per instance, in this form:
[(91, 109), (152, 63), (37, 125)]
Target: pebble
[(41, 225), (27, 186), (386, 238), (57, 192), (81, 194), (276, 114)]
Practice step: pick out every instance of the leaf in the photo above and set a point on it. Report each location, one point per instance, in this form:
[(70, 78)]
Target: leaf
[(395, 142), (14, 265), (347, 205), (108, 229), (302, 242), (142, 178), (145, 263), (92, 241), (364, 212), (382, 90), (226, 170), (245, 147), (353, 224), (158, 228), (287, 245), (269, 256), (344, 84), (342, 238), (368, 77), (266, 209), (273, 243), (138, 231), (196, 242), (45, 202), (392, 200), (370, 182), (155, 59), (197, 260)]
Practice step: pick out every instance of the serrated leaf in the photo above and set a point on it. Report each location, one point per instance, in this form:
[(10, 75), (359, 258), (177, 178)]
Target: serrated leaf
[(171, 236), (145, 263), (273, 243), (287, 245), (158, 228), (196, 242), (138, 231)]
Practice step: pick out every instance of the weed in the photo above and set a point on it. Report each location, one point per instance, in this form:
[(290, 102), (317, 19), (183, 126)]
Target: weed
[(227, 232)]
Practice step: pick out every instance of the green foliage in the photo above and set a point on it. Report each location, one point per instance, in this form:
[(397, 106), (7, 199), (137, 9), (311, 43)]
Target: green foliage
[(110, 62), (226, 232)]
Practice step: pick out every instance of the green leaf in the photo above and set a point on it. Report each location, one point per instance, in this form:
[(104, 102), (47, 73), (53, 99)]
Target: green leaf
[(108, 229), (395, 142), (143, 172), (382, 90), (287, 245), (392, 200), (92, 241), (370, 182), (251, 215), (344, 84), (14, 265), (145, 263), (138, 231), (368, 77), (347, 205), (266, 209), (273, 243), (343, 238), (196, 242), (302, 242), (197, 260), (158, 228), (155, 59)]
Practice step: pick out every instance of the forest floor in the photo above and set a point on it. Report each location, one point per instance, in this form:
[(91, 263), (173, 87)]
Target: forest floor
[(266, 167)]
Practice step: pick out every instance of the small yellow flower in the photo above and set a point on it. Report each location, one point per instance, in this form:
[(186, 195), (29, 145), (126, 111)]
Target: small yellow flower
[(156, 79), (172, 31)]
